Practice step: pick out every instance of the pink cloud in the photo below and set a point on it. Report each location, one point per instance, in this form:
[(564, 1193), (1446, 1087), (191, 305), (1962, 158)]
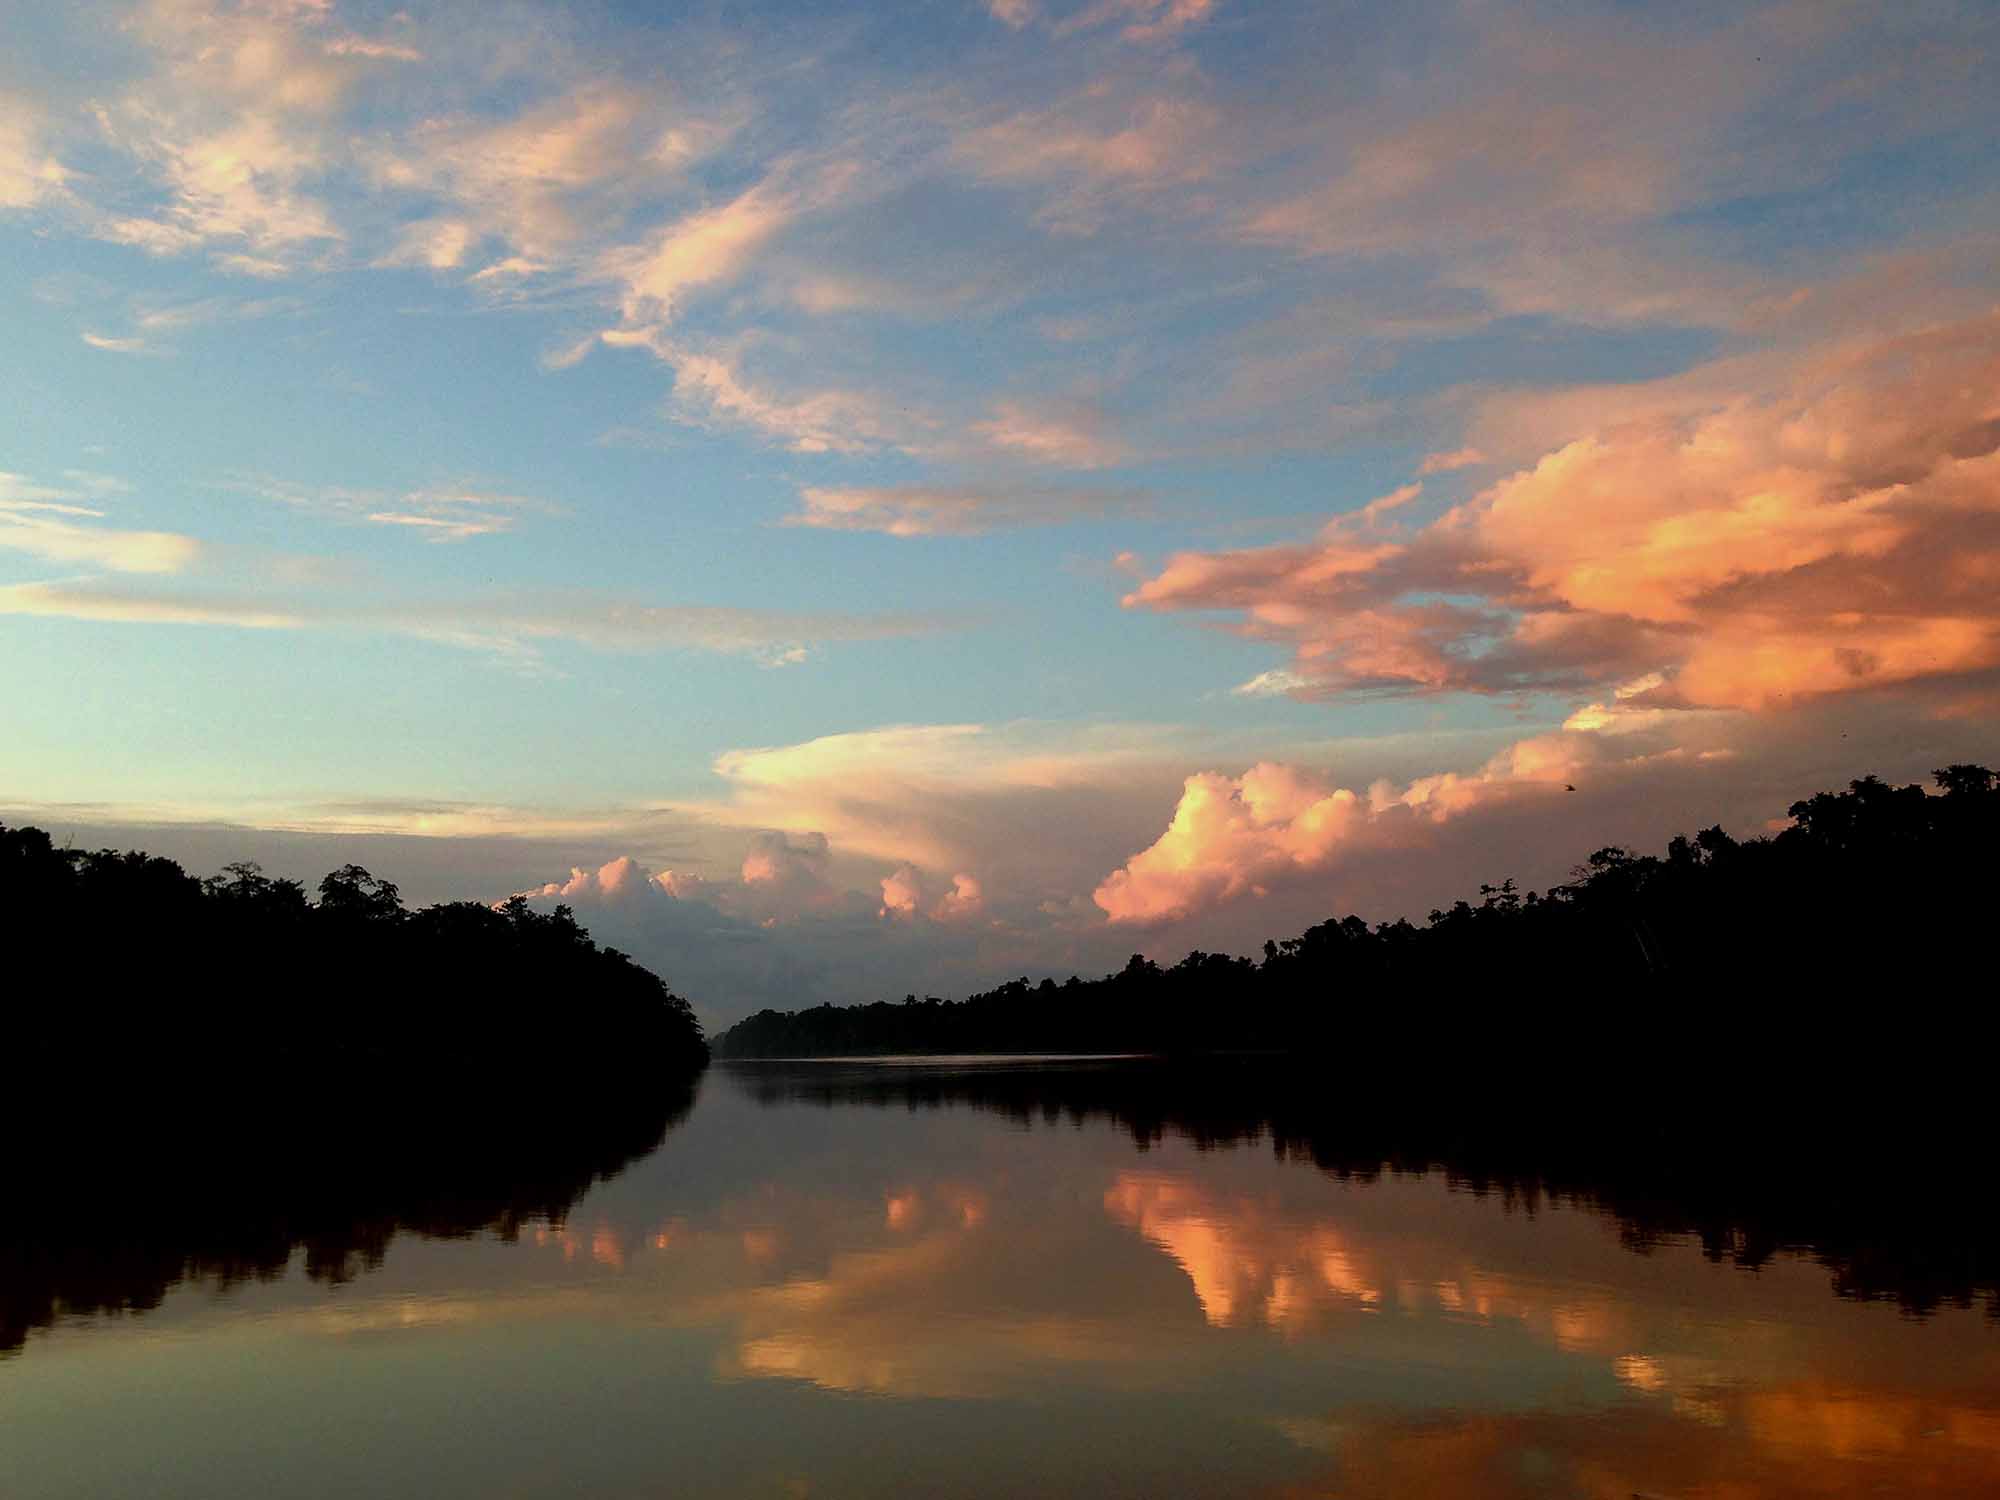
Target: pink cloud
[(1837, 528), (1146, 20), (1278, 825), (907, 893), (951, 510), (1445, 462), (1063, 434)]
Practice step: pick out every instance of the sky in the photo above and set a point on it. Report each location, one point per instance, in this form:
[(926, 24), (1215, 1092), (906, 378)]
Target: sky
[(891, 500)]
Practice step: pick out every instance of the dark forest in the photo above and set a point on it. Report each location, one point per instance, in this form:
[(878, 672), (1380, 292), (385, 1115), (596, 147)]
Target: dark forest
[(1731, 950), (125, 961)]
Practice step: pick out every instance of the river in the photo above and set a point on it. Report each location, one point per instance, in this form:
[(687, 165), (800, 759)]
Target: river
[(1003, 1278)]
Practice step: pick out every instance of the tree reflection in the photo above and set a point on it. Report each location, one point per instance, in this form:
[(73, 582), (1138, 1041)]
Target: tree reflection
[(112, 1205), (1892, 1211)]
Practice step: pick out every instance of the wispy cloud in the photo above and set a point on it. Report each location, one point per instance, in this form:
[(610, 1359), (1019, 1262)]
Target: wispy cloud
[(945, 510), (511, 627), (28, 173), (438, 512), (46, 521), (1074, 434), (112, 345)]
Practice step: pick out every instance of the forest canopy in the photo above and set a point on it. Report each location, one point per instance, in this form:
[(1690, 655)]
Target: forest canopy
[(123, 957), (1871, 892)]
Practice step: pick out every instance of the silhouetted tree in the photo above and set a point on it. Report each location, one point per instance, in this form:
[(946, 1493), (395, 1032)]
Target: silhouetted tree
[(1869, 890), (127, 960)]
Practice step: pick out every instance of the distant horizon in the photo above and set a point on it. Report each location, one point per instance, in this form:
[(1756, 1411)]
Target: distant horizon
[(627, 908)]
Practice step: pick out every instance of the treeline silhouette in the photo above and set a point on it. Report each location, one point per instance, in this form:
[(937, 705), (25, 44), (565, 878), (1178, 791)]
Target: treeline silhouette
[(123, 961), (112, 1203), (1887, 1201), (1720, 950)]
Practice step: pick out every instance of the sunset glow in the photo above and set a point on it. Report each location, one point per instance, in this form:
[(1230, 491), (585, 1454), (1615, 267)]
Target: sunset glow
[(889, 502)]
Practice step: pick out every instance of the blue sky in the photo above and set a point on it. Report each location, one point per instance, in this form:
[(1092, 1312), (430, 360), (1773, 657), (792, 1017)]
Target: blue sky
[(903, 480)]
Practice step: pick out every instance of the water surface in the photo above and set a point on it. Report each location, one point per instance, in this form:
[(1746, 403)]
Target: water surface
[(1004, 1279)]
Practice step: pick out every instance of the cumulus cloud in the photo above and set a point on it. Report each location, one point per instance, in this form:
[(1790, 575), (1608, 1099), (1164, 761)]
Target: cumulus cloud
[(954, 796), (1837, 530), (1277, 825), (951, 510), (908, 894), (782, 929), (783, 877)]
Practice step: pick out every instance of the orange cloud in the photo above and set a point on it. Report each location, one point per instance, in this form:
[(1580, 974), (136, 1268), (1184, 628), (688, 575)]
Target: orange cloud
[(1277, 825), (1445, 463), (1838, 531), (906, 894)]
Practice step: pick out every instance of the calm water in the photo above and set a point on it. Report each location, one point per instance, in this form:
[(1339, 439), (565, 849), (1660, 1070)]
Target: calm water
[(868, 1280)]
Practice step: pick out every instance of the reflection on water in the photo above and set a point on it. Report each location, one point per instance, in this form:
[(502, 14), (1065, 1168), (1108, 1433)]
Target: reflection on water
[(224, 1186), (1880, 1195), (1086, 1279)]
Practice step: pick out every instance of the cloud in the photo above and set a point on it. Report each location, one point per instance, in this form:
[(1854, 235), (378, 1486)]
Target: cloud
[(439, 513), (442, 528), (1064, 434), (781, 929), (44, 521), (1275, 683), (1380, 506), (359, 46), (908, 894), (117, 345), (1015, 13), (948, 796), (699, 250), (1149, 139), (1446, 462), (1102, 151), (511, 626), (1836, 529), (552, 182), (1164, 18), (27, 173), (70, 601), (711, 386), (783, 877), (1275, 825), (944, 510), (1145, 20)]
